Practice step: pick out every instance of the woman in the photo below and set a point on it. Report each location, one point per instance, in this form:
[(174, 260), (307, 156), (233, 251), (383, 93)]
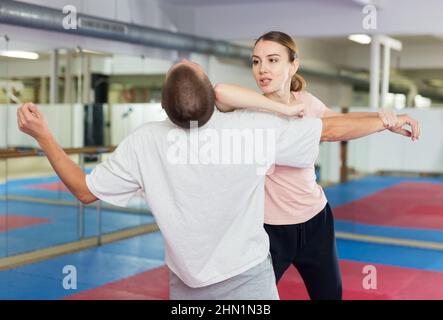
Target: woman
[(298, 218)]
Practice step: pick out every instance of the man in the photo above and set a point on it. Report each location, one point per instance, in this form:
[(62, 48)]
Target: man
[(208, 206)]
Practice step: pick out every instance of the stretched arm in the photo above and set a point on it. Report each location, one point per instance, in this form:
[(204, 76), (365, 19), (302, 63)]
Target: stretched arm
[(342, 128), (230, 97), (389, 118), (32, 122), (353, 115)]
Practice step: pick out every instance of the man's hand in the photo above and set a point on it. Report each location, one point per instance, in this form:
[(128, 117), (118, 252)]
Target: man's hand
[(32, 122), (389, 118), (403, 120)]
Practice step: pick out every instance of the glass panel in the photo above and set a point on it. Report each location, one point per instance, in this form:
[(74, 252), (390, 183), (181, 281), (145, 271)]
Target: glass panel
[(46, 211), (97, 103), (3, 205), (134, 99), (41, 212), (4, 81)]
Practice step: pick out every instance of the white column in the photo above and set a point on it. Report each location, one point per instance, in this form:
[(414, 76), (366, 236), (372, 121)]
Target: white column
[(375, 73), (43, 92), (53, 88), (68, 77), (79, 75), (87, 79), (385, 80)]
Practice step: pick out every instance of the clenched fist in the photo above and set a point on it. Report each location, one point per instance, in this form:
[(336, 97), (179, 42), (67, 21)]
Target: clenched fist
[(32, 122)]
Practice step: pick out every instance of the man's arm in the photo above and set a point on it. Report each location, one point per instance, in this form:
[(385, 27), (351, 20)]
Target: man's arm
[(32, 122), (340, 128), (388, 117)]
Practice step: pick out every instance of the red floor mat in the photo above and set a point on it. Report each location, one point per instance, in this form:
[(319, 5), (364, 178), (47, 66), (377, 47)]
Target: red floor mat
[(409, 205), (14, 222), (149, 285), (393, 283), (53, 186)]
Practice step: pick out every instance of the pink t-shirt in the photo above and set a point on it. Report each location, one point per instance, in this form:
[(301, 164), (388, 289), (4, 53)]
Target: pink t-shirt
[(292, 194)]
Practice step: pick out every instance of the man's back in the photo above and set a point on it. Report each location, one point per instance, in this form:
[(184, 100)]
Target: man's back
[(205, 186)]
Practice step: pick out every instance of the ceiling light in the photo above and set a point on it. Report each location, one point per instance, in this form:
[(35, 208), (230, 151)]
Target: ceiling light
[(20, 54), (90, 51), (360, 38)]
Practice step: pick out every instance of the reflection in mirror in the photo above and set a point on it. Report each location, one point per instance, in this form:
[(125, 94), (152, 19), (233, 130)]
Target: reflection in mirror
[(4, 89), (90, 99), (3, 209), (133, 99)]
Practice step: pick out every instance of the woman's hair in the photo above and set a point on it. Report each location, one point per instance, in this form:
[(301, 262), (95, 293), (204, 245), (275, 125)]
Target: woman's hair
[(297, 83)]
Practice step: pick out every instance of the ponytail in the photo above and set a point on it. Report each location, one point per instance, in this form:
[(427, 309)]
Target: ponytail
[(298, 83)]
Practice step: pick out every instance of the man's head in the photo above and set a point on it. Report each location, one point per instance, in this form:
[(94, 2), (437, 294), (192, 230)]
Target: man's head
[(187, 94)]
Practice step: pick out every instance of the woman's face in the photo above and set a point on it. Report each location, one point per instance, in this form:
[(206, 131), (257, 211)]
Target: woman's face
[(271, 67)]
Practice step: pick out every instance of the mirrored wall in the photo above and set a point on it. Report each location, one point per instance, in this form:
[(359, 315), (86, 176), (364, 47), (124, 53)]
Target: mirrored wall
[(91, 100)]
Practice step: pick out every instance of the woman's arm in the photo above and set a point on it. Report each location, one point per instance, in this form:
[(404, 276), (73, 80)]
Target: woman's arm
[(230, 97)]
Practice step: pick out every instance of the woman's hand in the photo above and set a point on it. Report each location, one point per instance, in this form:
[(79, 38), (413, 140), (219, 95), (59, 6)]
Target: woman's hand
[(293, 109)]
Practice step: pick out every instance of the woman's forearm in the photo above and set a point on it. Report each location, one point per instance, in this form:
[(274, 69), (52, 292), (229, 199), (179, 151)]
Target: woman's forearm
[(229, 97)]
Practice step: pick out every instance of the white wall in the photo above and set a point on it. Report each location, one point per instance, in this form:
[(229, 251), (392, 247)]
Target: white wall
[(124, 121), (390, 152), (387, 151), (332, 92), (130, 65), (221, 71)]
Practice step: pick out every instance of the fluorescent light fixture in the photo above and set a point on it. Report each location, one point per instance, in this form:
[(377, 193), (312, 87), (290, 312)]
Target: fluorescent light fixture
[(363, 2), (90, 51), (376, 3), (20, 54), (360, 38)]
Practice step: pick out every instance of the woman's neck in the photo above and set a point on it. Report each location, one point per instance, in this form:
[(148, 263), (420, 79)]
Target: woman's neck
[(282, 97)]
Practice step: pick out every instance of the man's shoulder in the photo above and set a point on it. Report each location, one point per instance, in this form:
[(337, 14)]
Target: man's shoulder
[(149, 131), (154, 126), (250, 118)]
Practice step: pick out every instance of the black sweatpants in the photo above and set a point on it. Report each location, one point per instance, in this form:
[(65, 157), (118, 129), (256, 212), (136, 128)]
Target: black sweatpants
[(311, 248)]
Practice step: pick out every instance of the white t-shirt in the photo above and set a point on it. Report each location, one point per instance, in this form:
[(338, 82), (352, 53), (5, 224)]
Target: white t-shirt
[(208, 205)]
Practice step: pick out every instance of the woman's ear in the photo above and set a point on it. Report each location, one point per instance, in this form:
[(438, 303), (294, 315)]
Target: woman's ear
[(294, 67)]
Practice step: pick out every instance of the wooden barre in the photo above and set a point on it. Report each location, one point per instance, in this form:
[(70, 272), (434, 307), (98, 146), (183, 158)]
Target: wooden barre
[(34, 152)]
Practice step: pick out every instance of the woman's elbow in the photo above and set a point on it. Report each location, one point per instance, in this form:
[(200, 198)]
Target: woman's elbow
[(218, 91)]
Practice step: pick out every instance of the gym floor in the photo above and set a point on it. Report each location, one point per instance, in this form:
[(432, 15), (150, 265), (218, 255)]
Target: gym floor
[(394, 224)]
